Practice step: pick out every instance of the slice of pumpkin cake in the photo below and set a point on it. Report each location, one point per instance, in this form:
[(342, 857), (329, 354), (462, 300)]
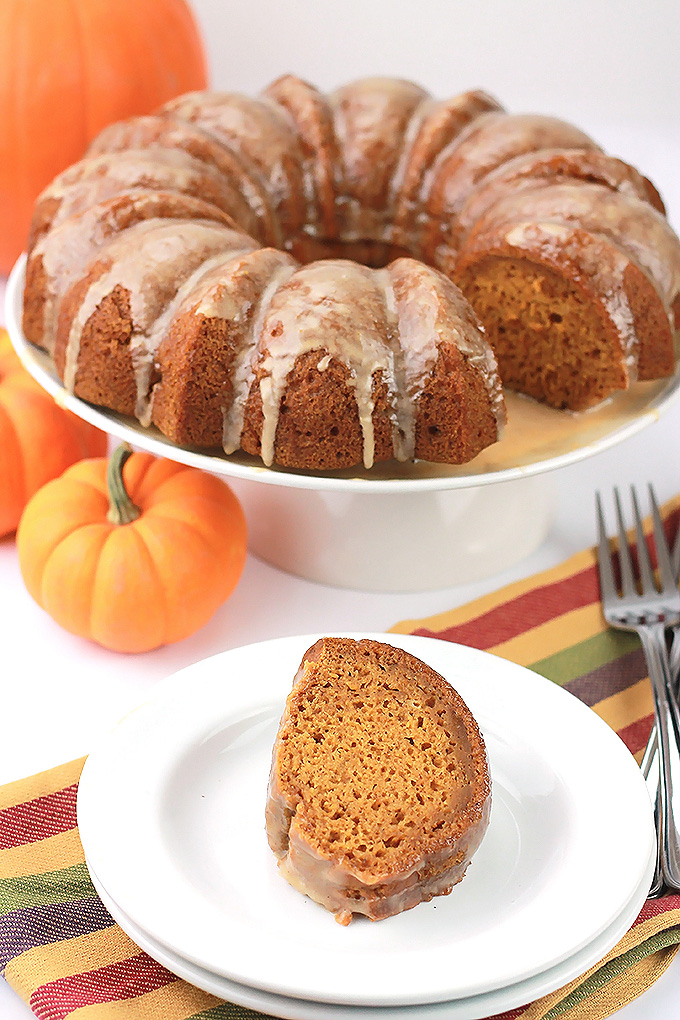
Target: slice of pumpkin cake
[(379, 790)]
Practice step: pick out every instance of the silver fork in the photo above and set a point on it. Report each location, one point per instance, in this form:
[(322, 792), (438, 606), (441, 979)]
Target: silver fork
[(649, 764), (675, 644), (650, 759), (649, 612)]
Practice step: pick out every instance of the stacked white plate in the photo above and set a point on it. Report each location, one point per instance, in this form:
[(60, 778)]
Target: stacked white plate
[(171, 815)]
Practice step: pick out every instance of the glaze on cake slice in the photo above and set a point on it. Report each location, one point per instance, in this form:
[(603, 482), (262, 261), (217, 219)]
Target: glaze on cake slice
[(243, 179), (310, 112), (546, 167), (379, 791), (64, 252), (113, 319), (96, 178), (488, 142), (262, 133)]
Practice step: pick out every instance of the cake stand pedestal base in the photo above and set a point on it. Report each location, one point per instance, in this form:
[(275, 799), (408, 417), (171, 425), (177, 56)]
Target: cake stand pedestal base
[(397, 541)]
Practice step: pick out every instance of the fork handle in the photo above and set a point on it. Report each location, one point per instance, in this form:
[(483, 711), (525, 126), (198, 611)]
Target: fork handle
[(650, 758), (674, 656), (667, 717)]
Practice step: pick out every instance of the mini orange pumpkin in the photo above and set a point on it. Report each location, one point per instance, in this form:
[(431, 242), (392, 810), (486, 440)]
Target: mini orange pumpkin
[(135, 559), (67, 69), (38, 439), (132, 560)]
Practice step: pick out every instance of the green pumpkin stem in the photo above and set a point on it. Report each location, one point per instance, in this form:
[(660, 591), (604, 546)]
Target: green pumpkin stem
[(121, 508)]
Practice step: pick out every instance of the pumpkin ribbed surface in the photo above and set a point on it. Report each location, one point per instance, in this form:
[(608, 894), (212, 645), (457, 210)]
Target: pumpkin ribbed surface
[(133, 587)]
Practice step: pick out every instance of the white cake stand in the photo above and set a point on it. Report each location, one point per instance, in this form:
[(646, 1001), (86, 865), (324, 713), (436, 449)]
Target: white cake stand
[(397, 527)]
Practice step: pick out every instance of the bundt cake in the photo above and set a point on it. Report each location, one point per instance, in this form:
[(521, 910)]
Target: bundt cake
[(379, 791), (283, 274)]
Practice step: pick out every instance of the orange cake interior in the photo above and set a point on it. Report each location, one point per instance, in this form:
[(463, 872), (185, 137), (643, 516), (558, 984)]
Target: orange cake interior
[(379, 790)]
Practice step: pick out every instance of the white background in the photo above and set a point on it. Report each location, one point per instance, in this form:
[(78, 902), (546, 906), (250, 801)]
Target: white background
[(612, 67)]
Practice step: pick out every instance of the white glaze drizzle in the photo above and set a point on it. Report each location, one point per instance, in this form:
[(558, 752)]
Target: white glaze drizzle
[(150, 260), (424, 109), (143, 347), (405, 390), (123, 135), (100, 177), (369, 126), (253, 126), (67, 250), (306, 175), (243, 371), (349, 313)]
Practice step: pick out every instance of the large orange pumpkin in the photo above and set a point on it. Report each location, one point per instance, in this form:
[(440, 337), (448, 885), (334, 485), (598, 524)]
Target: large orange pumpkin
[(38, 439), (132, 557), (67, 69)]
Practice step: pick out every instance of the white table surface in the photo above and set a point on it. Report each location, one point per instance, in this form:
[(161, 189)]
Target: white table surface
[(59, 692)]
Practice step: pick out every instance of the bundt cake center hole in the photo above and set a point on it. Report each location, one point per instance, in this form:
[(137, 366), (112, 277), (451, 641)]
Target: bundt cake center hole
[(370, 253)]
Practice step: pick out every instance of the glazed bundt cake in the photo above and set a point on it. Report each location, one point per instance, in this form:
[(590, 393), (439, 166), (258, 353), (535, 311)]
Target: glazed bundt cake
[(283, 274), (379, 791)]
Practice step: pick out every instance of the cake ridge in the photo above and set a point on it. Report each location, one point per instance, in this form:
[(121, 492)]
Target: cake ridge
[(554, 165), (453, 116), (165, 130), (275, 160), (486, 142), (367, 162), (319, 137), (143, 346), (176, 238), (322, 292), (68, 247), (96, 178)]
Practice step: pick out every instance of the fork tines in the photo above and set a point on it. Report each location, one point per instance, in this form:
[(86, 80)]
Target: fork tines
[(628, 585)]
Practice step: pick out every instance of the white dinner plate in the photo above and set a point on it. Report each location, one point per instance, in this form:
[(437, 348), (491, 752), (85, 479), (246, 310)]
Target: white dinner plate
[(171, 815), (475, 1007)]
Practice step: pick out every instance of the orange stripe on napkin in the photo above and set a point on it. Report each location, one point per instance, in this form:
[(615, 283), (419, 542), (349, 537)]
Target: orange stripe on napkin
[(55, 961), (39, 857)]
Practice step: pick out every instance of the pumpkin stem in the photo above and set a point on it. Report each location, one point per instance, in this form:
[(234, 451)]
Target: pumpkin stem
[(121, 508)]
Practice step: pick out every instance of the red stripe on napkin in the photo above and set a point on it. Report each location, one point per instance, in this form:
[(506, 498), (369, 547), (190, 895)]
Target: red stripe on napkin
[(117, 981), (38, 819), (653, 908), (635, 736), (521, 614)]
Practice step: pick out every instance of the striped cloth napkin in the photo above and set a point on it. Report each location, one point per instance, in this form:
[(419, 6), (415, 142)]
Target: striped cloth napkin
[(63, 954)]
